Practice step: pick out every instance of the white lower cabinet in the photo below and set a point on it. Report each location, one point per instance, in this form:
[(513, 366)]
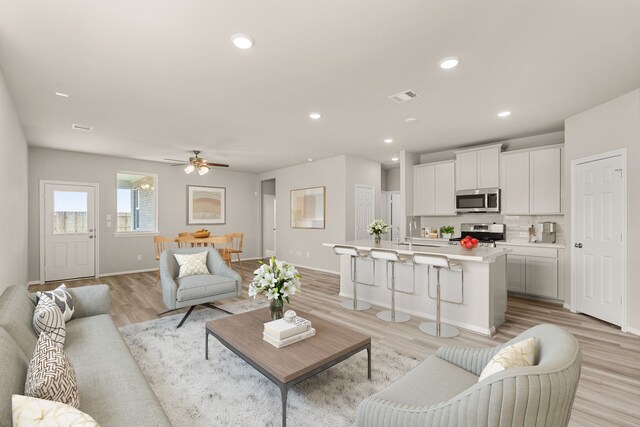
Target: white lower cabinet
[(534, 271)]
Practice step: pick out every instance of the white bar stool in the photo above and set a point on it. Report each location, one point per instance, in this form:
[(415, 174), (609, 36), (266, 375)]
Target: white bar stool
[(392, 257), (354, 254), (438, 262)]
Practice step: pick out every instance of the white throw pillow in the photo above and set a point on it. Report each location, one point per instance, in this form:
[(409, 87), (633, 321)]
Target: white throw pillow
[(48, 318), (516, 355), (63, 300), (192, 264), (31, 412), (50, 374)]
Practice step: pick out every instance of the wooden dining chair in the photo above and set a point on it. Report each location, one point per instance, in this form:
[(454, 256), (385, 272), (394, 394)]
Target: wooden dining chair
[(185, 241), (161, 243), (236, 248), (223, 245)]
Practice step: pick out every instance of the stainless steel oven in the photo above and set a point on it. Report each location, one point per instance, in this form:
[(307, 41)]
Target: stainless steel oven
[(482, 200)]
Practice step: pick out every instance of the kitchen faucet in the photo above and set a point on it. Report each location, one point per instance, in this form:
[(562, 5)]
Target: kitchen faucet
[(412, 226)]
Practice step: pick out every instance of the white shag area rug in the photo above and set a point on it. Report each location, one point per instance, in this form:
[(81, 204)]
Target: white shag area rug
[(227, 391)]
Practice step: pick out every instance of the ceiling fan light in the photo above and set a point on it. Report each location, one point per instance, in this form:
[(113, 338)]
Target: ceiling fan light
[(189, 169), (202, 170)]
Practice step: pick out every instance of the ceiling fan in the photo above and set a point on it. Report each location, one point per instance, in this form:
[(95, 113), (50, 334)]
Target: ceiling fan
[(197, 163)]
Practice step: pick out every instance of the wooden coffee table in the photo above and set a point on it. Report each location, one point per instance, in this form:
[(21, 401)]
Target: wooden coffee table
[(287, 366)]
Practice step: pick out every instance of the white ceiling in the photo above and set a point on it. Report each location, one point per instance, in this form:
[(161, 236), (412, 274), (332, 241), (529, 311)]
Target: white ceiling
[(158, 78)]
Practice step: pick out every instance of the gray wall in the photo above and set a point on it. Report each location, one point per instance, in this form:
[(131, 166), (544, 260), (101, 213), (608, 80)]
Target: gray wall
[(119, 254), (611, 126), (359, 171), (13, 194), (391, 179), (303, 247)]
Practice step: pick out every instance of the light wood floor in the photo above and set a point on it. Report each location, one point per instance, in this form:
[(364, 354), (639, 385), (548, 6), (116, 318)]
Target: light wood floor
[(609, 390)]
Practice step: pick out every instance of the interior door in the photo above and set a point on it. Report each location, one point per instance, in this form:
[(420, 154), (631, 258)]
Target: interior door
[(69, 231), (269, 225), (598, 242), (365, 209)]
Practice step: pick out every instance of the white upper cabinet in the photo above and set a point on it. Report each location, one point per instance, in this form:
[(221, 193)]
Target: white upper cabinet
[(478, 168), (434, 189), (530, 181), (546, 182), (514, 184)]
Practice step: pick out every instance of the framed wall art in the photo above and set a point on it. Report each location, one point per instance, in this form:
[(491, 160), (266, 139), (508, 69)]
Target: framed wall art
[(206, 205), (308, 207)]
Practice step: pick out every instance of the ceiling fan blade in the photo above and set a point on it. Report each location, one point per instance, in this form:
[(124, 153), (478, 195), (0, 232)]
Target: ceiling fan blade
[(178, 164), (220, 165), (176, 160)]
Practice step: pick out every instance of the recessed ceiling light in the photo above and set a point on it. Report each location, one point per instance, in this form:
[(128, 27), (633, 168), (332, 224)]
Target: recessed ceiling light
[(411, 120), (449, 62), (62, 94), (310, 159), (315, 116), (394, 159), (388, 140), (504, 113), (242, 41)]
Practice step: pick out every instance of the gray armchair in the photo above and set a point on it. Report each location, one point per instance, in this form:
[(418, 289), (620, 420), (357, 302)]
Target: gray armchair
[(444, 389), (202, 289)]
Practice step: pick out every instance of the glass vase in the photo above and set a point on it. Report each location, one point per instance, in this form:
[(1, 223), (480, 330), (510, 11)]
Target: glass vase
[(277, 309), (378, 238)]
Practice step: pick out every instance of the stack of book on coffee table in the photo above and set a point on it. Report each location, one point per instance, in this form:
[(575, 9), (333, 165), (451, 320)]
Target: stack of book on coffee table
[(280, 333)]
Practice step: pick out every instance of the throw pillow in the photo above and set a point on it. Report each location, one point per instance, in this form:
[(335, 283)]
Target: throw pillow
[(63, 300), (192, 264), (48, 318), (516, 355), (30, 411), (50, 374)]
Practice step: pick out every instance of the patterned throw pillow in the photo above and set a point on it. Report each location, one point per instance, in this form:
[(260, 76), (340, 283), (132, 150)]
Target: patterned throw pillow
[(193, 264), (48, 318), (50, 374), (63, 300), (30, 412), (516, 355)]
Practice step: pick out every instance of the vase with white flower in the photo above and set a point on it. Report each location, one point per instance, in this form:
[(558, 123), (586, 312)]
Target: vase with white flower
[(377, 228), (278, 281)]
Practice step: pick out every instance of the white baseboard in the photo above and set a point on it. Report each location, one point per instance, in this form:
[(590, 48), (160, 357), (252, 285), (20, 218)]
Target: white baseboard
[(119, 273), (633, 331), (34, 282), (567, 307), (337, 273)]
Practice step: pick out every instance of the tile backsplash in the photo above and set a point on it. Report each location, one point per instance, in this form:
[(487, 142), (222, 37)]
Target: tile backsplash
[(517, 225)]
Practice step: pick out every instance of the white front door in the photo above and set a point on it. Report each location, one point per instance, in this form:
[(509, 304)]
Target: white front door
[(69, 231), (365, 209), (598, 248), (269, 225)]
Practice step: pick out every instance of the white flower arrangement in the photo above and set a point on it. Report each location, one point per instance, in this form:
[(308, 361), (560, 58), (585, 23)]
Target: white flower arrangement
[(276, 280), (378, 227)]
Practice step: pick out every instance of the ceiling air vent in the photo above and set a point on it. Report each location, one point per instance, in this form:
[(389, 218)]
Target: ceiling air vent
[(81, 127), (407, 95)]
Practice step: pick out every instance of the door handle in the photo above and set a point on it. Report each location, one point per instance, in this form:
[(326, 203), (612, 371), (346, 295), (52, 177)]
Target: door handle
[(91, 237), (91, 230), (578, 245)]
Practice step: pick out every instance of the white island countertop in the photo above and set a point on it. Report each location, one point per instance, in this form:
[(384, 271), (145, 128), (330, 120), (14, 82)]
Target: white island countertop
[(454, 252)]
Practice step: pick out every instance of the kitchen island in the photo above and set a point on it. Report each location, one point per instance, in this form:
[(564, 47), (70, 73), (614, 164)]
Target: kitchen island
[(480, 282)]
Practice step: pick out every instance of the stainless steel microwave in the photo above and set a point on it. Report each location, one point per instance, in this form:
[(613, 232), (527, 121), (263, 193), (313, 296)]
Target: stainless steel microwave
[(482, 200)]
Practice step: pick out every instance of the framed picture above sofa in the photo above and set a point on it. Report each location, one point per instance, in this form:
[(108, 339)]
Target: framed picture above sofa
[(206, 205), (308, 207)]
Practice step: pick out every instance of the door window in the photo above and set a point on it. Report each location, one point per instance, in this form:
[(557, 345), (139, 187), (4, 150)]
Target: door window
[(70, 211)]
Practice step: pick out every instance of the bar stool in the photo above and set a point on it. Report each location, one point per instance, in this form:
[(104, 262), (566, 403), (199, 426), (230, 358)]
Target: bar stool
[(438, 262), (392, 257), (354, 254)]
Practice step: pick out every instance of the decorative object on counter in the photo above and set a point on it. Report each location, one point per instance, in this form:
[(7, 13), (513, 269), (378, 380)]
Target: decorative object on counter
[(532, 234), (432, 233), (278, 281), (308, 207), (377, 228), (447, 231), (547, 232), (469, 242)]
